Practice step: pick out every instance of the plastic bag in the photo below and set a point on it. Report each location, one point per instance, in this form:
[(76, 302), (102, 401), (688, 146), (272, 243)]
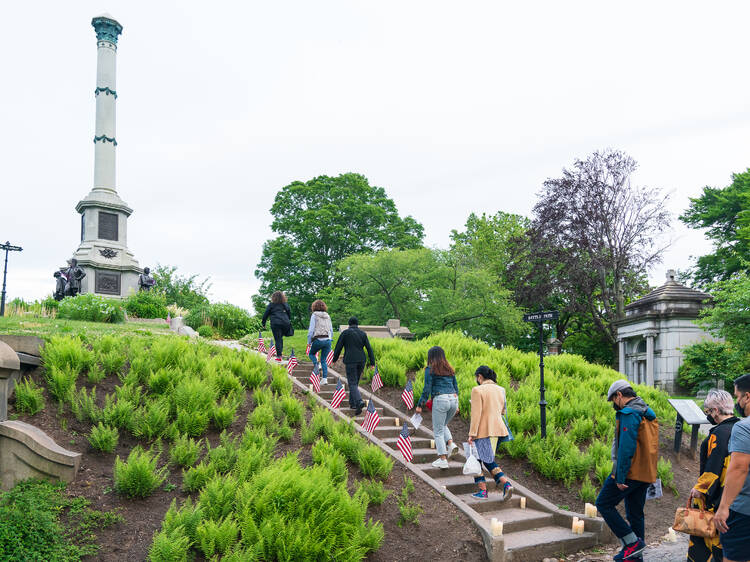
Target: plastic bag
[(472, 466)]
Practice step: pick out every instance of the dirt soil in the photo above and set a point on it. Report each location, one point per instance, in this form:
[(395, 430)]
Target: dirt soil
[(659, 512), (443, 532)]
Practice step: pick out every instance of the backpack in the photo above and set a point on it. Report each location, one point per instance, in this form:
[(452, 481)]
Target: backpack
[(323, 326), (643, 465)]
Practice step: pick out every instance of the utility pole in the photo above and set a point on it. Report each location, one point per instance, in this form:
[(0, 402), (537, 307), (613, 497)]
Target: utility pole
[(8, 248)]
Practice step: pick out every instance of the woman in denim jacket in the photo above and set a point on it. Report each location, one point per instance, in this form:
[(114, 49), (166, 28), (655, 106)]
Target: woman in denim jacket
[(440, 384)]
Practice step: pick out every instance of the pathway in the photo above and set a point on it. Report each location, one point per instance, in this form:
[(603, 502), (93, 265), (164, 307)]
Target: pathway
[(539, 530)]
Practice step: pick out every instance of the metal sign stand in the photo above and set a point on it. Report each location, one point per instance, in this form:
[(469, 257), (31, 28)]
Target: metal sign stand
[(540, 318), (8, 248)]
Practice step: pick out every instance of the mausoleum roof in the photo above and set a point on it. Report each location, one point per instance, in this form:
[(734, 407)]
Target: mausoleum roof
[(672, 298)]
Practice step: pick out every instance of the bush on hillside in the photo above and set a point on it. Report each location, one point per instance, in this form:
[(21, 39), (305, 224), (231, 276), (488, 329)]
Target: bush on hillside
[(228, 320), (91, 307), (707, 361), (147, 304)]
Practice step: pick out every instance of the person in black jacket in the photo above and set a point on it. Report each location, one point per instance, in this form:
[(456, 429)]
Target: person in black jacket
[(354, 341), (281, 320)]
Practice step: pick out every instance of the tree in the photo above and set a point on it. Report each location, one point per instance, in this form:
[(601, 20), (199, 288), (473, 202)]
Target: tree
[(726, 214), (428, 290), (184, 291), (594, 236), (729, 317), (319, 223)]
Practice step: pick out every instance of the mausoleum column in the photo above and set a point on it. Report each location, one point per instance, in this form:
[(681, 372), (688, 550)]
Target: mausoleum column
[(621, 355), (650, 358), (107, 30)]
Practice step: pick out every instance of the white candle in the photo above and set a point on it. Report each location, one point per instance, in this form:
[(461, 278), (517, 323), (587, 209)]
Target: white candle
[(574, 527), (523, 503), (590, 510), (398, 422), (672, 535), (311, 387), (432, 443), (496, 527), (580, 527)]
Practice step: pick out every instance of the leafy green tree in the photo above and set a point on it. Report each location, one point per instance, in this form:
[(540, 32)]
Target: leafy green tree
[(707, 361), (729, 317), (725, 212), (320, 222), (184, 291)]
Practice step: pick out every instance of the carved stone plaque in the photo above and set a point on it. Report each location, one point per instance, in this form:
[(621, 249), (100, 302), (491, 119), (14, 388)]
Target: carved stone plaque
[(108, 253), (108, 226), (107, 283)]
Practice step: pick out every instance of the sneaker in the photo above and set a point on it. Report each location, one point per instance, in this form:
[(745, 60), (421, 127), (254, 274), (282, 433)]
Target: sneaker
[(278, 359), (631, 552), (440, 463), (452, 449), (480, 495), (358, 409), (507, 491), (323, 381)]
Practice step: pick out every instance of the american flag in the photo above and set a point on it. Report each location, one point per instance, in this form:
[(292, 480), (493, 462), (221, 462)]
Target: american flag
[(307, 349), (408, 396), (261, 343), (291, 364), (404, 443), (329, 358), (315, 380), (338, 396), (377, 382), (372, 419), (271, 352)]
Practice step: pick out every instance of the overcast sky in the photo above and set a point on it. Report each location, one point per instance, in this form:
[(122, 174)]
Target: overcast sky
[(452, 107)]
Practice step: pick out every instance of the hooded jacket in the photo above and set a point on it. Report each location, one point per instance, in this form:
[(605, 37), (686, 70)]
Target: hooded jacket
[(635, 449)]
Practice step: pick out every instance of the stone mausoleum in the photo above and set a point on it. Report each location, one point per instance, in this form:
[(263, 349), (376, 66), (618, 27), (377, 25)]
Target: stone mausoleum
[(111, 268), (655, 329)]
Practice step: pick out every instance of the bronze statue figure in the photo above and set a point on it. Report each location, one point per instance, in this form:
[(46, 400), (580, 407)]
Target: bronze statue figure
[(145, 281), (60, 282), (74, 274)]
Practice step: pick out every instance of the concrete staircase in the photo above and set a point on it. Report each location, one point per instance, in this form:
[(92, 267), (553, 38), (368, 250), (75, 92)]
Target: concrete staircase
[(539, 530)]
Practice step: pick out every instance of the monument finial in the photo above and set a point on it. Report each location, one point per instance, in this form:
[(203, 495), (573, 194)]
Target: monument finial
[(107, 28), (671, 274)]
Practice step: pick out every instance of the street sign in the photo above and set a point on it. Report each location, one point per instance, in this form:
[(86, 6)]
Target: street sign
[(541, 316)]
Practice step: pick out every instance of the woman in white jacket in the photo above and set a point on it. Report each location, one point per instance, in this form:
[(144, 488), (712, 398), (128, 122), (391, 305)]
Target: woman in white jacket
[(320, 337)]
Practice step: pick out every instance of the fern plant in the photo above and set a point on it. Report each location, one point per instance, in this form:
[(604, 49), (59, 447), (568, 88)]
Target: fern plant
[(29, 397), (185, 451), (217, 536), (103, 438), (139, 475), (374, 462)]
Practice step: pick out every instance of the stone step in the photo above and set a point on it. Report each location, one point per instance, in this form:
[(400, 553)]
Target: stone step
[(463, 484), (422, 442), (494, 501), (549, 541), (454, 468), (516, 519)]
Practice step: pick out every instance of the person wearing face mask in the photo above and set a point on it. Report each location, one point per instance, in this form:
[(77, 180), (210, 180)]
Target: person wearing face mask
[(732, 519), (635, 451), (714, 458)]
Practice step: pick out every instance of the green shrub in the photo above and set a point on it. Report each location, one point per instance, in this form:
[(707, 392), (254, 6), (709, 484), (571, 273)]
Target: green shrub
[(169, 547), (61, 383), (151, 421), (285, 432), (147, 304), (29, 397), (206, 332), (322, 423), (217, 536), (228, 320), (588, 491), (193, 479), (706, 361), (325, 454), (118, 413), (374, 462), (185, 451), (83, 405), (66, 353), (112, 362), (263, 396), (251, 459), (262, 416), (91, 307), (192, 422), (139, 476), (294, 410), (664, 471), (186, 517), (217, 497), (280, 383), (103, 438), (223, 413), (95, 374), (224, 456), (375, 491), (603, 471)]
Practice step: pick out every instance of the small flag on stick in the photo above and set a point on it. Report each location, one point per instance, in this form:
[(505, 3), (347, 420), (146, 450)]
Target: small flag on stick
[(329, 358), (261, 343), (338, 396), (377, 382), (291, 364), (372, 419), (315, 380), (307, 349), (408, 395), (404, 443), (271, 352)]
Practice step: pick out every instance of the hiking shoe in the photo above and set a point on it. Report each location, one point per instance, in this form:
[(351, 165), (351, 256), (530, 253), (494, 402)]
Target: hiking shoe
[(480, 495), (452, 449), (440, 463), (358, 409), (631, 552), (507, 491)]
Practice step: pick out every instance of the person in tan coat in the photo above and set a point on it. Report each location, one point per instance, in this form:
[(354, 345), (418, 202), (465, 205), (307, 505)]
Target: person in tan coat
[(487, 427)]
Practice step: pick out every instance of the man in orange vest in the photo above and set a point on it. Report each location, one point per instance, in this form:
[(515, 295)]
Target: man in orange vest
[(635, 451)]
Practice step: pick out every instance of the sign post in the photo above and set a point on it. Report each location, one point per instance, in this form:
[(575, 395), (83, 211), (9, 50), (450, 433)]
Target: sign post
[(540, 318), (8, 248)]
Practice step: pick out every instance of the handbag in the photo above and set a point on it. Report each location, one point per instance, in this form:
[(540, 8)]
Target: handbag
[(694, 521), (505, 438), (289, 331)]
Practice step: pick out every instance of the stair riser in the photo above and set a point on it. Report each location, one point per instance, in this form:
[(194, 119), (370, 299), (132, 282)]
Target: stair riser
[(438, 472), (493, 503), (537, 552), (526, 524)]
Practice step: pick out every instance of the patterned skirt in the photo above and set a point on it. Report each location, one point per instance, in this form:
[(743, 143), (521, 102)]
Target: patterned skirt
[(486, 448)]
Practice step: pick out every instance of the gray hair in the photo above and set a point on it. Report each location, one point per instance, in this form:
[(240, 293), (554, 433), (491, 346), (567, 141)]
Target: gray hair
[(719, 399)]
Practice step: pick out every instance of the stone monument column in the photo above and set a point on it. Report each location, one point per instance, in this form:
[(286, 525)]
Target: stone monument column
[(621, 355), (111, 268), (650, 358)]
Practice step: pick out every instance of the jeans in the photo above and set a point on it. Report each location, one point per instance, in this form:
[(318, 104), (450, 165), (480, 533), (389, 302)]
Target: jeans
[(494, 470), (635, 498), (444, 407), (278, 331), (324, 346), (353, 373)]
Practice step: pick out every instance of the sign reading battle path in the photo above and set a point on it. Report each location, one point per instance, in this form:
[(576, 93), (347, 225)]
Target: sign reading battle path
[(539, 318)]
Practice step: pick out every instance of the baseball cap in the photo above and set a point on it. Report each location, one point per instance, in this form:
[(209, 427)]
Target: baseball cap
[(617, 386)]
